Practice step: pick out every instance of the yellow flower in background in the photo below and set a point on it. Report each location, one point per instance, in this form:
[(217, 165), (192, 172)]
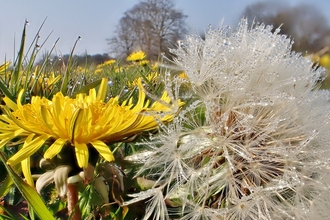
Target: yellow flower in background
[(155, 66), (183, 75), (41, 82), (37, 81), (97, 71), (151, 78), (106, 63), (325, 61), (85, 121), (143, 62), (119, 69), (100, 67), (321, 57), (136, 56), (4, 67), (109, 62)]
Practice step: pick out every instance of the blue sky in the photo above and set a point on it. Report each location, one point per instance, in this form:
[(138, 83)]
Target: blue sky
[(96, 20)]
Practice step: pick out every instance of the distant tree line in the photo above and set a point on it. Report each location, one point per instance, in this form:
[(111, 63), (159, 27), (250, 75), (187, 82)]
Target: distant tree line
[(305, 24), (79, 60), (151, 26)]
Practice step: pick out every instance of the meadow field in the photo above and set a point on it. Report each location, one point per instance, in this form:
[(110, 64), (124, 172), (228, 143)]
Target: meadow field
[(232, 126)]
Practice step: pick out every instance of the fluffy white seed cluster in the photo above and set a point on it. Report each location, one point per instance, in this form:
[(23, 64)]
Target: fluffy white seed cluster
[(256, 142)]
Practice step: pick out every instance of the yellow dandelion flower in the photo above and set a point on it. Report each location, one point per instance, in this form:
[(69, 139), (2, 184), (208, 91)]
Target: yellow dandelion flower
[(106, 63), (325, 61), (4, 67), (109, 62), (155, 66), (143, 62), (118, 69), (151, 77), (136, 56), (98, 70), (183, 75), (85, 121), (42, 82)]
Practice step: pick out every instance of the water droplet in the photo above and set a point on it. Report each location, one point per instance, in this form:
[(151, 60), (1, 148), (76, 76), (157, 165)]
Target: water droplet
[(110, 83), (180, 43)]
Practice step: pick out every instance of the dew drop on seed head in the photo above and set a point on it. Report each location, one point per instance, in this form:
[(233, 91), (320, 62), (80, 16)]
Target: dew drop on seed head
[(180, 43)]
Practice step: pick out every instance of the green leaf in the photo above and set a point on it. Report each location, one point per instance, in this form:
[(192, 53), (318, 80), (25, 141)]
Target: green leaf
[(8, 216), (18, 63), (29, 193), (23, 217), (5, 185), (5, 90), (86, 88), (65, 82), (4, 217), (57, 206)]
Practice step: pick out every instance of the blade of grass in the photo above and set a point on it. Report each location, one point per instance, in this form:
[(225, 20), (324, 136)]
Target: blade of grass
[(4, 217), (31, 60), (5, 185), (29, 193), (19, 61), (86, 88), (37, 36), (5, 90), (8, 216), (65, 82)]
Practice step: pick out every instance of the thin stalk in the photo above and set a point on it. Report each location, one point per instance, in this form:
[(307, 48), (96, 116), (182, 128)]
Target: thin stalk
[(73, 207), (65, 82)]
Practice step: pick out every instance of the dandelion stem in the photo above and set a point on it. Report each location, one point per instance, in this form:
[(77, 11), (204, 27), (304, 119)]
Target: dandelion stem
[(73, 207)]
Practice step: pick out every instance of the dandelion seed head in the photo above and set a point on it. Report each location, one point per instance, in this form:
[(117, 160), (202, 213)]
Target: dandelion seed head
[(261, 151)]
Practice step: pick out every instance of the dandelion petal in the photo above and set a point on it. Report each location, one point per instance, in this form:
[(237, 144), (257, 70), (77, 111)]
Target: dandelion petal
[(103, 149), (55, 148), (81, 154), (28, 149)]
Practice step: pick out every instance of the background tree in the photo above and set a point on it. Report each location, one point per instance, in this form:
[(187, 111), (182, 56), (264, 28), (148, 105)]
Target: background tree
[(304, 23), (79, 60), (151, 26)]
